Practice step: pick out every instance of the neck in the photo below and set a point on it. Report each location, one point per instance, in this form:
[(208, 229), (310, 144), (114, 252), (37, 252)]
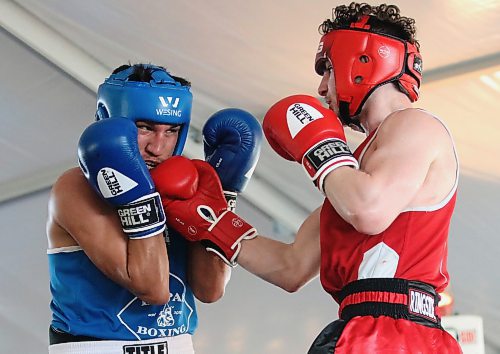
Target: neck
[(381, 103)]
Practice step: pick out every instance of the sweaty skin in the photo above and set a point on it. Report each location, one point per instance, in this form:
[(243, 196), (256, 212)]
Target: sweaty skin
[(384, 186), (140, 265)]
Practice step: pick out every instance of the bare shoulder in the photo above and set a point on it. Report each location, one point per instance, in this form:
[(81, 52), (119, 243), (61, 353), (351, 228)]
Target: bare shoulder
[(72, 198), (413, 118), (61, 210), (71, 178), (414, 125), (413, 153), (72, 185)]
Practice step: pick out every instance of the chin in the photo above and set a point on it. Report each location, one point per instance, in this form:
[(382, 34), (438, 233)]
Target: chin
[(334, 108)]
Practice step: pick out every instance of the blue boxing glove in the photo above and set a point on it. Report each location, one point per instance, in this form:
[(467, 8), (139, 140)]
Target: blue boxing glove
[(109, 157), (232, 140)]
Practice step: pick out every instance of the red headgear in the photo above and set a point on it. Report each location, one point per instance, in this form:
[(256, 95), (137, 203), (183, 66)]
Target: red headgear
[(363, 60)]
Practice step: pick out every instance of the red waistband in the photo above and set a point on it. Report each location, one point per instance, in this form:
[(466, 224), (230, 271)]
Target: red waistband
[(396, 298), (374, 296)]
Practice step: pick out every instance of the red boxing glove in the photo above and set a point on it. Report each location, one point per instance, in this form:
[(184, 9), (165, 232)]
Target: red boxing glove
[(176, 174), (196, 207), (299, 128)]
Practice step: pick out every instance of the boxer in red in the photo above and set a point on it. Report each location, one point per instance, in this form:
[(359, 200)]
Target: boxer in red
[(379, 241)]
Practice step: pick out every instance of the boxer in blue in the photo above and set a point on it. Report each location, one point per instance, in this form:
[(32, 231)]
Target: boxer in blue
[(121, 280)]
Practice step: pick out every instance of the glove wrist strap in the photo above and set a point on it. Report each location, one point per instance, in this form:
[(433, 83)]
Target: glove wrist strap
[(326, 156), (227, 232), (144, 217)]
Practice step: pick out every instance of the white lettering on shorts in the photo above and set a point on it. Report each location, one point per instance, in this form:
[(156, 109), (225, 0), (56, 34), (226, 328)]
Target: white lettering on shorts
[(154, 348), (421, 304)]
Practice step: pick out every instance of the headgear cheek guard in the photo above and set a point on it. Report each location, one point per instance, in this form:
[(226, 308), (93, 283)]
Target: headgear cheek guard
[(362, 61), (162, 100)]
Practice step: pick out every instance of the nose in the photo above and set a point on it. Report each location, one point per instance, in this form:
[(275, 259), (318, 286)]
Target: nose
[(323, 86), (155, 145)]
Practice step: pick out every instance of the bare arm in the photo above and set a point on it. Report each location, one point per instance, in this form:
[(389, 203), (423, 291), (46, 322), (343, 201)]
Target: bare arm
[(76, 212), (207, 273), (393, 177), (289, 266)]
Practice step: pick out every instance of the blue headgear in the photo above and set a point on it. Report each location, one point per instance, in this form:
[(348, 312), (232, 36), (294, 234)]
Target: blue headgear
[(162, 100)]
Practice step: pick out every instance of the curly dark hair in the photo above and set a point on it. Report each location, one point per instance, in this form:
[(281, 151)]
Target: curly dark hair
[(384, 19)]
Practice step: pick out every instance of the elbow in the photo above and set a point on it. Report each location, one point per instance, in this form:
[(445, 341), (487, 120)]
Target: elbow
[(299, 272), (294, 283), (210, 289), (155, 295), (152, 288), (369, 223), (292, 288), (158, 298), (210, 296)]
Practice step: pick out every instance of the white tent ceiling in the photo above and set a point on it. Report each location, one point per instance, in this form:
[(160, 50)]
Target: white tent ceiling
[(247, 54)]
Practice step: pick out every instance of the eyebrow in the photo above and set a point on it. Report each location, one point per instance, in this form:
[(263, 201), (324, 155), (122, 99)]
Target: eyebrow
[(150, 122)]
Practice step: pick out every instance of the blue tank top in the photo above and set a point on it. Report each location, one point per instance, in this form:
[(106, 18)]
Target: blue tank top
[(86, 302)]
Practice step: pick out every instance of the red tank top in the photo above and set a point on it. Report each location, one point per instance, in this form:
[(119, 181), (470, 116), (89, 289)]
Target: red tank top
[(413, 247)]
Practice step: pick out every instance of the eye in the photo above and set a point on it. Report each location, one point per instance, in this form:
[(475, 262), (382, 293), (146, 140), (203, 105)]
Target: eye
[(174, 130), (143, 126)]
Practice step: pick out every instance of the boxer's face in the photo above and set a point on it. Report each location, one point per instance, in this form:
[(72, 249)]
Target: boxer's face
[(327, 87), (156, 141)]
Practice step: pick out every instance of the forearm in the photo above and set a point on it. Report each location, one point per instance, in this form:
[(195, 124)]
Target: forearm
[(207, 274), (351, 192), (368, 201), (277, 263), (147, 269)]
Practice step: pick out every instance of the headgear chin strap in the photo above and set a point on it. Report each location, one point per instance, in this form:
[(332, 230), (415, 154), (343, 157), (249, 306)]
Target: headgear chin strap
[(161, 100), (362, 61)]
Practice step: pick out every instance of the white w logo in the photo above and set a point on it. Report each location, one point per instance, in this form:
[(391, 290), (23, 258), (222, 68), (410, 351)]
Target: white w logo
[(169, 99)]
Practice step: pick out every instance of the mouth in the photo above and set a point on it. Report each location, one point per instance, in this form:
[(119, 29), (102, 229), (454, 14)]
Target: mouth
[(151, 164)]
